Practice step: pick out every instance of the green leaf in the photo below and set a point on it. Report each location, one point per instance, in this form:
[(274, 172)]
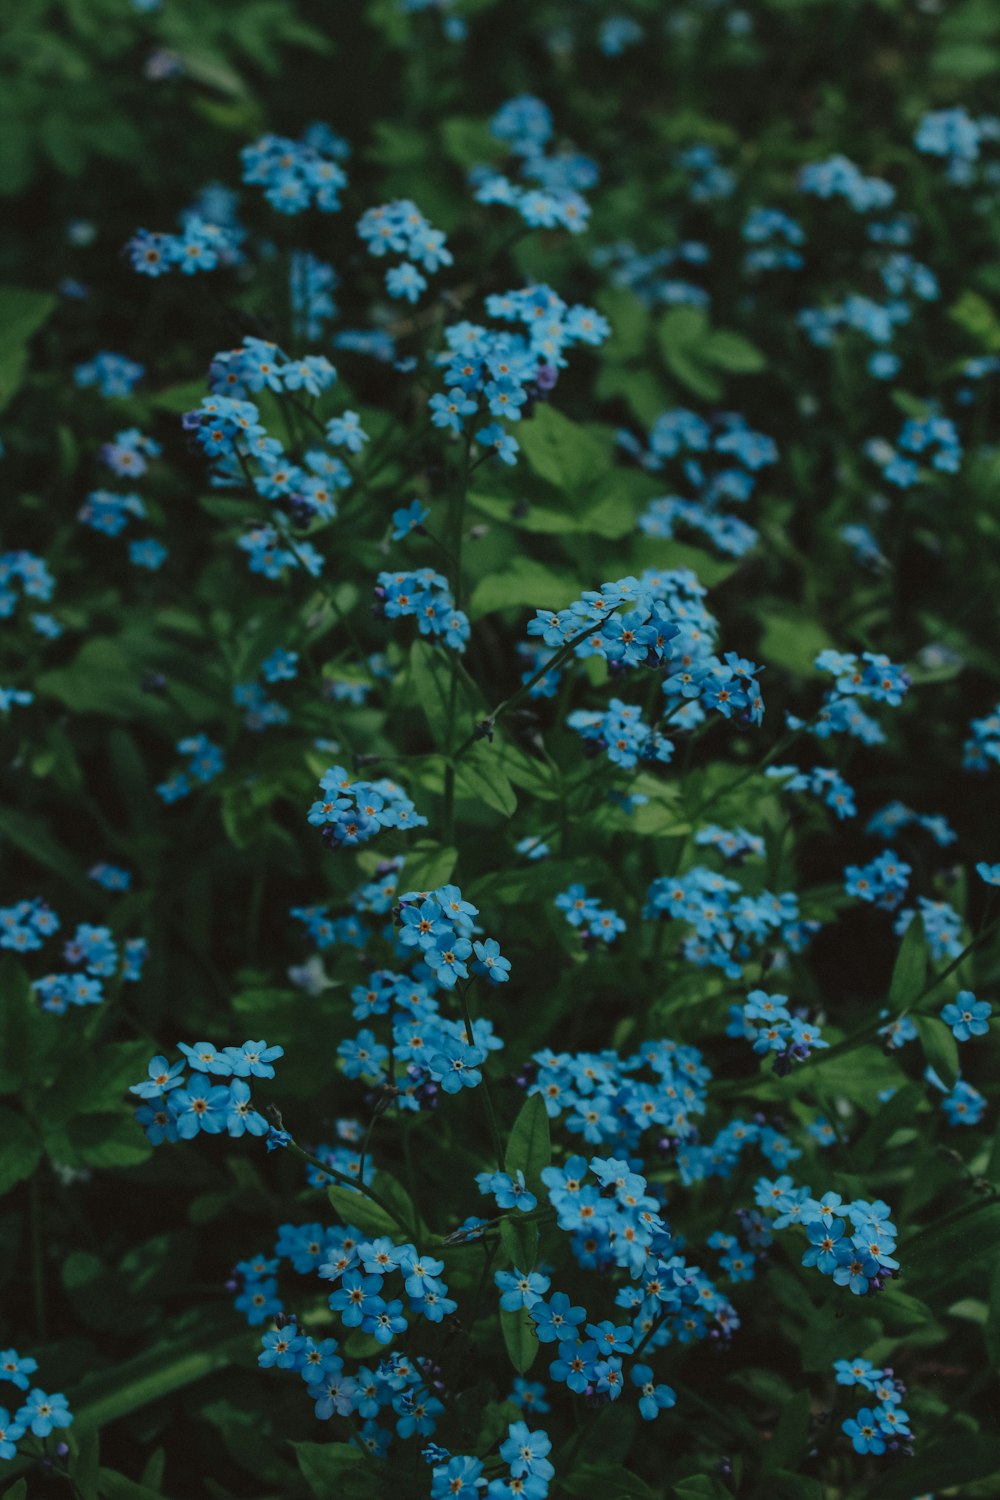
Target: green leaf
[(973, 313), (336, 1469), (427, 866), (165, 1367), (355, 1209), (84, 1464), (522, 583), (529, 1148), (897, 1112), (940, 1048), (685, 367), (18, 1491), (478, 776), (991, 1332), (115, 1486), (790, 638), (21, 1149), (944, 1465), (22, 313), (449, 700), (791, 1436), (519, 1337), (960, 1253), (629, 321), (566, 454), (519, 1241), (701, 1487), (910, 969), (732, 352), (682, 328), (604, 1481), (32, 837)]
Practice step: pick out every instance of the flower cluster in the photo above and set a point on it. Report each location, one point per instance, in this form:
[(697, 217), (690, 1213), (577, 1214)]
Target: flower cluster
[(297, 175), (28, 570), (851, 1242), (525, 125), (725, 930), (884, 1426), (426, 596), (981, 750), (894, 816), (766, 1021), (841, 178), (39, 1413), (199, 246), (719, 460), (400, 228), (109, 374), (204, 763), (621, 731), (524, 1452), (819, 781), (935, 435), (883, 881), (584, 912), (353, 811), (92, 952), (178, 1105)]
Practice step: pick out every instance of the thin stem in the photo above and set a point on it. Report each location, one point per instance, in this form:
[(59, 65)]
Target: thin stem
[(491, 1118)]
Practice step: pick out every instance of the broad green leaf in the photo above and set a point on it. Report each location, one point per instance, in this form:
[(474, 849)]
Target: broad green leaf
[(957, 1255), (519, 1241), (791, 639), (791, 1436), (529, 1148), (337, 1470), (945, 1465), (115, 1486), (355, 1209), (974, 314), (522, 583), (165, 1367), (427, 866), (479, 777), (22, 313), (940, 1048), (629, 321), (569, 456), (449, 701), (991, 1332), (519, 1337), (85, 1463), (33, 838), (682, 328), (732, 352), (701, 1487), (21, 1149), (891, 1116), (602, 1481), (910, 969), (685, 366)]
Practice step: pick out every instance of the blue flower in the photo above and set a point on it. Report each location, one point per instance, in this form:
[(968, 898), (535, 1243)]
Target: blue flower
[(967, 1016), (41, 1412), (520, 1288), (408, 518), (490, 961), (864, 1432), (653, 1398)]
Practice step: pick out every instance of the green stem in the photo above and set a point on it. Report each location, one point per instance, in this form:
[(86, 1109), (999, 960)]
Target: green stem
[(37, 1257), (491, 1118)]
